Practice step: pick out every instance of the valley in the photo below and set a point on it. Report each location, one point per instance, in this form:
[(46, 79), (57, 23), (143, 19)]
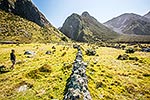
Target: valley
[(83, 59), (108, 77)]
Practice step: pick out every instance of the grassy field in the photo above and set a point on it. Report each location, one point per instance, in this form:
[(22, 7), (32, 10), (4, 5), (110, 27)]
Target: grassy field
[(46, 75)]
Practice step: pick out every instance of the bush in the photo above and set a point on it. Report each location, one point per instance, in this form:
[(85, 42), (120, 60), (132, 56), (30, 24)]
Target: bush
[(45, 68), (123, 47), (64, 39), (133, 58), (126, 57), (123, 57), (90, 52), (130, 50)]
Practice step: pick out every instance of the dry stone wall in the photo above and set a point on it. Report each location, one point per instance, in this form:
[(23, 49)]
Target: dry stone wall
[(77, 85)]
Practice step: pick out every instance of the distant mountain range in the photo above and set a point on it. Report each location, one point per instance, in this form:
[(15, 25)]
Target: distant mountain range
[(21, 21), (86, 28), (130, 23)]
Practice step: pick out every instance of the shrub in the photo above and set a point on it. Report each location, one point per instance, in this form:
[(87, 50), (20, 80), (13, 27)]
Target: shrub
[(99, 84), (130, 50), (123, 47), (123, 57), (45, 68), (64, 39), (90, 52), (63, 54), (133, 58)]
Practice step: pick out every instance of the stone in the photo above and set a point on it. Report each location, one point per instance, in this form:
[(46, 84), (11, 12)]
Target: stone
[(123, 57), (22, 88), (48, 52), (77, 85), (75, 46), (145, 50), (29, 52)]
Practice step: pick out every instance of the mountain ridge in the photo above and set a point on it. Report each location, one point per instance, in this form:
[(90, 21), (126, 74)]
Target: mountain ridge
[(147, 15), (130, 23), (86, 28)]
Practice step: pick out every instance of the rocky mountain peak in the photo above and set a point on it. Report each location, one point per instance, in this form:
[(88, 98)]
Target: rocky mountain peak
[(72, 26), (86, 28), (85, 14), (74, 15), (25, 9), (147, 15), (129, 23)]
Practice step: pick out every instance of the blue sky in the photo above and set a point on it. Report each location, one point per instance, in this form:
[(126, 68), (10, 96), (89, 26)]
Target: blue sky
[(56, 11)]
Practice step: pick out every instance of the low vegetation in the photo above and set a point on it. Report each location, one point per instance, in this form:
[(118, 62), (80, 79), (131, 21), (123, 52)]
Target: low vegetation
[(19, 30), (132, 39), (44, 76)]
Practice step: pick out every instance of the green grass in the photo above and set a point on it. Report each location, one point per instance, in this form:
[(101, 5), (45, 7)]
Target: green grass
[(46, 75), (17, 29), (125, 38)]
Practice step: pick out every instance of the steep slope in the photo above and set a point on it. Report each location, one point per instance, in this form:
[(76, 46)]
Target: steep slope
[(17, 29), (130, 23), (147, 15), (25, 9), (16, 24), (86, 28), (138, 27)]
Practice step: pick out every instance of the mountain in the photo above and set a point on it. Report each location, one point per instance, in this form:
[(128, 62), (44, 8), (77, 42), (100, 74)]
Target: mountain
[(130, 23), (86, 28), (138, 27), (25, 9), (22, 22), (147, 15)]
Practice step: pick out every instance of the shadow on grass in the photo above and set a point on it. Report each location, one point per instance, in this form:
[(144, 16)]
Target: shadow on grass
[(3, 69)]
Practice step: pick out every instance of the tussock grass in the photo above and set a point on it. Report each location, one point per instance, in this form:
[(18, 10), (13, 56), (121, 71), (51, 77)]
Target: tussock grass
[(46, 75), (20, 30)]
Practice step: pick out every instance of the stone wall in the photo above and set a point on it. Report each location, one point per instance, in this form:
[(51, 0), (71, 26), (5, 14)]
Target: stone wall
[(77, 84)]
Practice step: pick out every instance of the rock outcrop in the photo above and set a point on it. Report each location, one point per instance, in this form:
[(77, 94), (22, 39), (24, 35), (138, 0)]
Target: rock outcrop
[(77, 85), (22, 22), (147, 15), (86, 28), (25, 9)]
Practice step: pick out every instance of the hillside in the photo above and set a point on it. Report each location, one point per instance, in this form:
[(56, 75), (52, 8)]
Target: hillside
[(130, 23), (86, 28), (44, 77), (138, 27), (25, 9), (17, 29)]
